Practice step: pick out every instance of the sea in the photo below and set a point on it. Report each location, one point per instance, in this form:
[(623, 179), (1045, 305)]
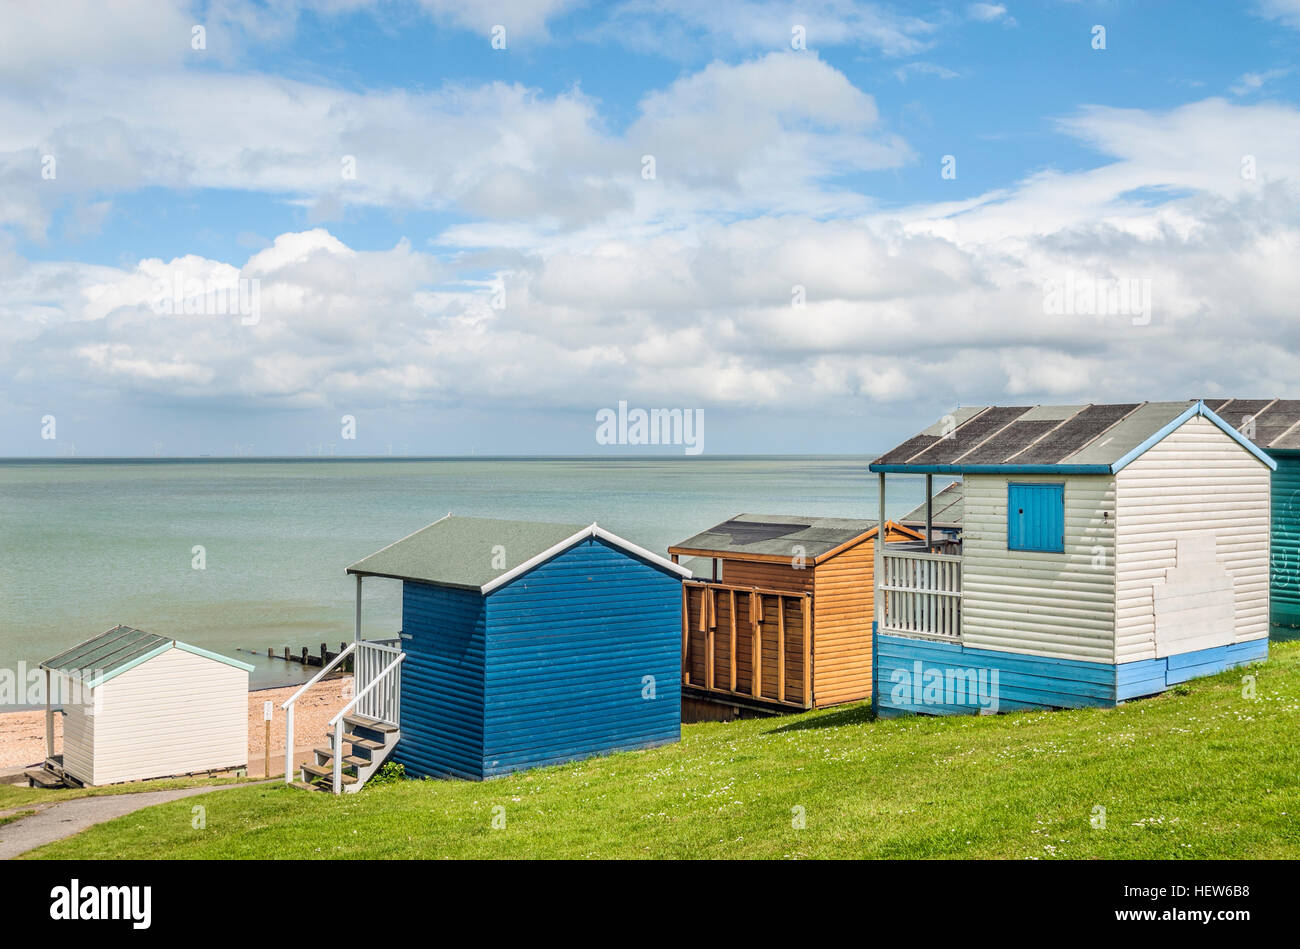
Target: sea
[(242, 555)]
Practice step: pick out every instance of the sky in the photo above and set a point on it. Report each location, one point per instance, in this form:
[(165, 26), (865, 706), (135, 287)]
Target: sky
[(371, 227)]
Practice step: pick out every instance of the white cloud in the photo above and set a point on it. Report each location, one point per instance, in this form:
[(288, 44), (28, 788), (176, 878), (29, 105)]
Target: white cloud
[(686, 28), (1285, 11), (903, 73), (990, 13), (778, 124), (1254, 81)]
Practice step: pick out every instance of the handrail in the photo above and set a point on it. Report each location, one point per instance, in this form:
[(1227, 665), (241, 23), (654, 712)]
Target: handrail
[(921, 594), (373, 682), (318, 676), (922, 555), (337, 721), (288, 708)]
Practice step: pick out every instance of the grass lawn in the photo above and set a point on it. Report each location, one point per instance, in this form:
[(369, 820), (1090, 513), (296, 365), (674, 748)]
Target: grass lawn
[(20, 796), (1202, 772)]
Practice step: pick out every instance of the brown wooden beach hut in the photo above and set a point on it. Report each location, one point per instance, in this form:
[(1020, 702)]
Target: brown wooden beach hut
[(790, 597)]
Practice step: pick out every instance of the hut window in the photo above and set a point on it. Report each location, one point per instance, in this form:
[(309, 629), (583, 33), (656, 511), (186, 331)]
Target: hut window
[(1036, 517)]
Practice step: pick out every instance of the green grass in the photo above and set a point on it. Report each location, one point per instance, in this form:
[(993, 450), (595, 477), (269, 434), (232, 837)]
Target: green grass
[(14, 796), (1204, 774), (15, 815)]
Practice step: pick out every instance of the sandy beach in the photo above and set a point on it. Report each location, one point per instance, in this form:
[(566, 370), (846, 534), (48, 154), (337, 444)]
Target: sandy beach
[(22, 734)]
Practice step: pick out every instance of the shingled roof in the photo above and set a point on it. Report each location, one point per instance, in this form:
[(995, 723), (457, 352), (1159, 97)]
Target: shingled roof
[(774, 535), (1079, 439), (1272, 424), (100, 658), (482, 553), (945, 511)]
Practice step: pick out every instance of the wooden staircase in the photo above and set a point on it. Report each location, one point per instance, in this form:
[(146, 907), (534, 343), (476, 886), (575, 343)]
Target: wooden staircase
[(368, 744)]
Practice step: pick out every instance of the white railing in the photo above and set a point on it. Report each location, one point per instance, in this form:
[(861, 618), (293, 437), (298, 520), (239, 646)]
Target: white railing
[(367, 669), (382, 703), (922, 594), (383, 694)]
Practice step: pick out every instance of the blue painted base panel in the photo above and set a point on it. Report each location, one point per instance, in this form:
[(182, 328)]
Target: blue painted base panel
[(918, 676), (1149, 676)]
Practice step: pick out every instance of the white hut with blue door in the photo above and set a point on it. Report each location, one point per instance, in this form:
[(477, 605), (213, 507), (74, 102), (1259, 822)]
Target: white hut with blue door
[(1106, 552), (531, 644)]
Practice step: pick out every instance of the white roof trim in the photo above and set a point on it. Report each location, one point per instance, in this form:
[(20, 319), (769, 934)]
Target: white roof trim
[(594, 530)]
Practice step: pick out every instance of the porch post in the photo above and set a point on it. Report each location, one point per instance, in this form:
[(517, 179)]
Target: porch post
[(49, 718), (929, 510), (358, 635), (878, 568)]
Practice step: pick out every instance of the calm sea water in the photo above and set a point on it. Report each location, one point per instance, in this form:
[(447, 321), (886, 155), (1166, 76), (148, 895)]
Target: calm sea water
[(87, 545)]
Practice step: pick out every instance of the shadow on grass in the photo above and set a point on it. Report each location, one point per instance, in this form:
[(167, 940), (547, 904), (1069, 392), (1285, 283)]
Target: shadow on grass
[(857, 715)]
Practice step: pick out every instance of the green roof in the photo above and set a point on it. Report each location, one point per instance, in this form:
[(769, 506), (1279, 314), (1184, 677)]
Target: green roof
[(465, 552), (111, 653)]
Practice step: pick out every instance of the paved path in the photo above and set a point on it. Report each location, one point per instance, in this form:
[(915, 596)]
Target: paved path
[(56, 821)]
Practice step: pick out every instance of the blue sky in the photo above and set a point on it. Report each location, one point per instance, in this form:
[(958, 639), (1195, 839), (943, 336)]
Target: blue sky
[(496, 267)]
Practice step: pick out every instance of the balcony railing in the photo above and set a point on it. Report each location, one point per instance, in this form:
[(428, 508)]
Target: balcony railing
[(922, 594)]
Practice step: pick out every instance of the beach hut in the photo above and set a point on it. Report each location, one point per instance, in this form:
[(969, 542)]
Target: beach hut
[(1107, 552), (785, 622), (137, 705), (1274, 426), (530, 644)]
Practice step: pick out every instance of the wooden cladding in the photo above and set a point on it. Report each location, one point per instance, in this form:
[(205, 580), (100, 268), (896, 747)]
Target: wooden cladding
[(746, 641), (818, 619)]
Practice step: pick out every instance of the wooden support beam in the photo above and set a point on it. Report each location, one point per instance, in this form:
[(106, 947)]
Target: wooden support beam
[(780, 648), (686, 635), (732, 681), (807, 651), (708, 641), (756, 648), (49, 716)]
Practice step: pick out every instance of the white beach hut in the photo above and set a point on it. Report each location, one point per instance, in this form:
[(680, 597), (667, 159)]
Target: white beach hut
[(1102, 553), (138, 706)]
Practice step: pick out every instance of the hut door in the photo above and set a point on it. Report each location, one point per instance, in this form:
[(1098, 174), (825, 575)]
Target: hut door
[(1196, 606)]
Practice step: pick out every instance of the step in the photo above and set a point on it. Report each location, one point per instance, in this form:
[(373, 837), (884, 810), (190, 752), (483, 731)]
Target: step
[(374, 725), (304, 786), (46, 779), (327, 771), (358, 742), (355, 761)]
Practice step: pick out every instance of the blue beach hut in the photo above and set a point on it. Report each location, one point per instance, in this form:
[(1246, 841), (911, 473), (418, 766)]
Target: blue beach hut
[(530, 644)]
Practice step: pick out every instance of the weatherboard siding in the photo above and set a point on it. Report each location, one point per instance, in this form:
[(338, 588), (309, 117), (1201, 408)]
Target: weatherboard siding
[(1285, 580), (1150, 676), (1195, 480), (842, 615), (78, 730), (772, 576), (1021, 682), (173, 714), (1056, 605), (904, 667), (443, 636), (569, 646)]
